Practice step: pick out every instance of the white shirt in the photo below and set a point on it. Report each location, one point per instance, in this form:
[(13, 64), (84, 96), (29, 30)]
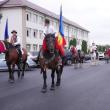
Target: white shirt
[(49, 29), (18, 41), (78, 47), (94, 47)]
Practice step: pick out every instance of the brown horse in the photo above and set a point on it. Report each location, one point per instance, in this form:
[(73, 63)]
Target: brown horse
[(49, 59), (12, 59), (78, 56)]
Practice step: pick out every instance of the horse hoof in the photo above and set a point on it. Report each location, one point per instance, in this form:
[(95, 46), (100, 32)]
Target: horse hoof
[(44, 90), (52, 88), (57, 84), (11, 81)]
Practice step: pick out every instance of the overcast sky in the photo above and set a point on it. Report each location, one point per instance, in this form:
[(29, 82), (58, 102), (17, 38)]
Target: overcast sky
[(93, 15)]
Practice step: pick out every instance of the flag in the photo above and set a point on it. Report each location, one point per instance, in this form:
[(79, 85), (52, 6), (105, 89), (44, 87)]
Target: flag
[(6, 36), (61, 39)]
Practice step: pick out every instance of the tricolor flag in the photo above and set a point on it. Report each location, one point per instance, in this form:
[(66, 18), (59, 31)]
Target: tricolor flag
[(61, 39), (6, 36)]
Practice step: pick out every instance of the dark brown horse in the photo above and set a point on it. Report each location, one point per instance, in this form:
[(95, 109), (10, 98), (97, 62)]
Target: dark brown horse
[(12, 59), (49, 59), (78, 56)]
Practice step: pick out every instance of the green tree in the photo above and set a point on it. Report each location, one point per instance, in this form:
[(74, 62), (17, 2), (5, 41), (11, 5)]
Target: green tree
[(101, 48), (73, 42), (84, 46)]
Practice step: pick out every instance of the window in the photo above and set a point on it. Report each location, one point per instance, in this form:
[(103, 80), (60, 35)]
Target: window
[(35, 18), (28, 32), (35, 33), (40, 34), (35, 47), (28, 16), (82, 33), (28, 47), (75, 32), (40, 46), (41, 21), (55, 25)]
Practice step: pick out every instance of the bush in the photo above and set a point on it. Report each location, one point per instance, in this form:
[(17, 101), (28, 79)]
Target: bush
[(73, 42), (84, 46)]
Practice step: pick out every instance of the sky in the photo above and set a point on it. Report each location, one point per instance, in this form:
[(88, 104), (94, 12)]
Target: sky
[(94, 15)]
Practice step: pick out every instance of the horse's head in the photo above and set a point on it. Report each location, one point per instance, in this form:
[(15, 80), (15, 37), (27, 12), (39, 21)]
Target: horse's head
[(50, 42)]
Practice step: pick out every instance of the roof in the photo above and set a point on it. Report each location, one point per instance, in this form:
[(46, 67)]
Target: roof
[(25, 3)]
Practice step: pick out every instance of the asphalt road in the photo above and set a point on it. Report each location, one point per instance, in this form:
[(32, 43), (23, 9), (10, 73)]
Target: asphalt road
[(87, 88)]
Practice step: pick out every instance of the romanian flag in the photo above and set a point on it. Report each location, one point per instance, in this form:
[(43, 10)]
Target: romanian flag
[(6, 36), (61, 39)]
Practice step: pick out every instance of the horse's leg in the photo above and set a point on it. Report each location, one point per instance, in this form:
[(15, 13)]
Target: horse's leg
[(53, 83), (24, 64), (44, 89), (75, 64), (80, 62), (11, 76), (59, 73), (13, 68), (18, 70), (9, 69)]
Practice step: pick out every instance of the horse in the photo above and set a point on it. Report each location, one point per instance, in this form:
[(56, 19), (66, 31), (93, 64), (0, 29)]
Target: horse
[(12, 59), (50, 59), (94, 57), (78, 56)]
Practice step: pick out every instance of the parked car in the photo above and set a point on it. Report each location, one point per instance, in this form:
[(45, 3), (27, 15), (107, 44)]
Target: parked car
[(34, 57), (3, 66), (101, 55), (68, 58), (87, 57)]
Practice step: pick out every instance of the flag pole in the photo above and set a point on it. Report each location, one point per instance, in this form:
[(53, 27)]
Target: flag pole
[(6, 36)]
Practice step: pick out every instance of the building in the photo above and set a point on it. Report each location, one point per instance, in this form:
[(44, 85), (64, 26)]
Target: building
[(28, 19)]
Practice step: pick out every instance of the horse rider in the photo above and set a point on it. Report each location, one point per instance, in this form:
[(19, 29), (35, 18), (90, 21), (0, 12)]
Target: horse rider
[(94, 51), (15, 41), (78, 47), (94, 47), (50, 30)]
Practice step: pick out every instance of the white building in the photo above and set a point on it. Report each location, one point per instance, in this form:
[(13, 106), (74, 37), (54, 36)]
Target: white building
[(28, 20)]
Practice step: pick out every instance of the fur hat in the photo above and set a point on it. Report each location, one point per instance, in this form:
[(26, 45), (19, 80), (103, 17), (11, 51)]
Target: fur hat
[(14, 31)]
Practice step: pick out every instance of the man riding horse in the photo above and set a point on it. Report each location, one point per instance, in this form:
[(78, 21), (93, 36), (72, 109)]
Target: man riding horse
[(50, 30), (15, 41)]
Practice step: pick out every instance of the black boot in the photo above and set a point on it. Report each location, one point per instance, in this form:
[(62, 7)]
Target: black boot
[(20, 56)]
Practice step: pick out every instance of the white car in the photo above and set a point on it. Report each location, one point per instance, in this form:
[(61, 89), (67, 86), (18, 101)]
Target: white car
[(101, 55), (3, 66)]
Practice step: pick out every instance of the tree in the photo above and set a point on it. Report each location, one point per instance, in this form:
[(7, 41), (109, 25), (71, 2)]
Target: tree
[(101, 48), (84, 46), (73, 42)]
